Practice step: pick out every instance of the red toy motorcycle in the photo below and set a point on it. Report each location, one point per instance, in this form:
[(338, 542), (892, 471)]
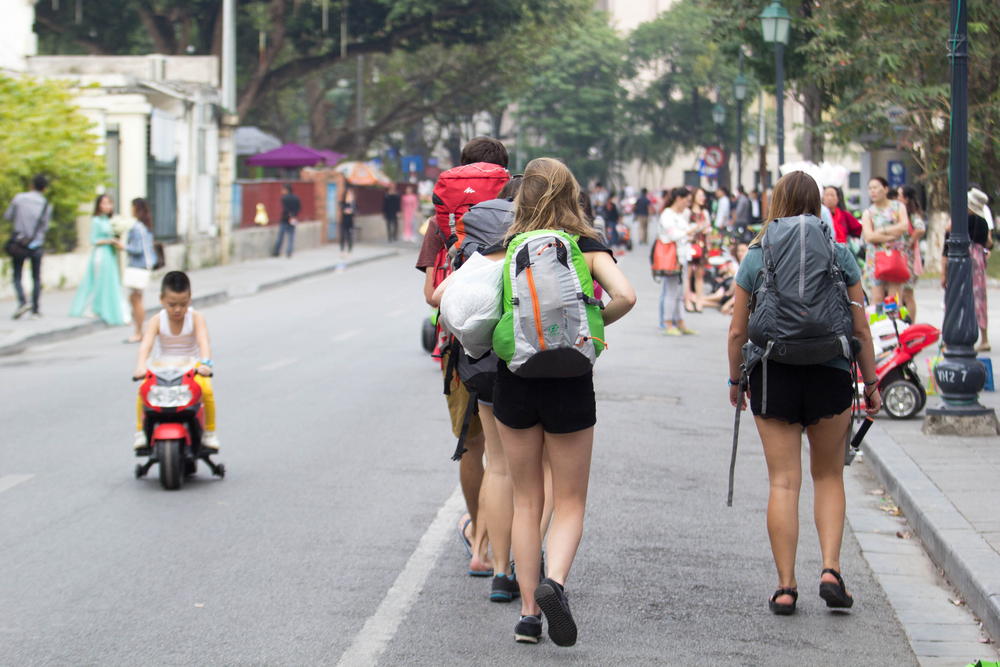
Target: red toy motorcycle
[(903, 395), (174, 421)]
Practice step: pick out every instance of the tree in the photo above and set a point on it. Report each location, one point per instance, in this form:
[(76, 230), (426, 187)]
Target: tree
[(41, 132), (573, 105), (296, 45), (677, 72), (735, 25)]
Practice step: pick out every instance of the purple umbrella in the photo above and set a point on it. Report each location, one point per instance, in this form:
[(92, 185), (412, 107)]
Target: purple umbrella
[(289, 155)]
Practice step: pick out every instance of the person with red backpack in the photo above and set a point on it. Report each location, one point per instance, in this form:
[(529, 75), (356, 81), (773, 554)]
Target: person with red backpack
[(480, 177)]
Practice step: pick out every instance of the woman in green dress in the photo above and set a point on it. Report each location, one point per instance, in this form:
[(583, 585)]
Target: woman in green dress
[(100, 291)]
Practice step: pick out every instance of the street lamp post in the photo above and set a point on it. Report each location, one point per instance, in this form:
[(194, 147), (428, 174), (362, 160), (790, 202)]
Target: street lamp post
[(740, 92), (774, 23), (960, 376)]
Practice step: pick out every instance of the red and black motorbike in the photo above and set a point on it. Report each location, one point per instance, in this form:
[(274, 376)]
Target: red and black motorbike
[(903, 394), (174, 422)]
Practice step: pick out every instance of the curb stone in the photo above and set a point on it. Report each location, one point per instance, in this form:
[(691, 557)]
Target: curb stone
[(968, 561), (202, 301)]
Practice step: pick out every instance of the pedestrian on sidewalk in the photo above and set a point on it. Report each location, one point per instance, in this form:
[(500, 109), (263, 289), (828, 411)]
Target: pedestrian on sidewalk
[(558, 413), (291, 205), (141, 260), (979, 248), (918, 228), (641, 210), (347, 211), (100, 291), (700, 221), (611, 215), (723, 210), (815, 397), (844, 224), (390, 209), (886, 228), (30, 213), (409, 204), (675, 228)]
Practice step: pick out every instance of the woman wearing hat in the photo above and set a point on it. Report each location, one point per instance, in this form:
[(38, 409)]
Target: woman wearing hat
[(982, 241)]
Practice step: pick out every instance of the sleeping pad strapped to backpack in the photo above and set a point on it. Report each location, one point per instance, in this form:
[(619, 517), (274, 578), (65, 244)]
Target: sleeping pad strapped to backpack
[(551, 325)]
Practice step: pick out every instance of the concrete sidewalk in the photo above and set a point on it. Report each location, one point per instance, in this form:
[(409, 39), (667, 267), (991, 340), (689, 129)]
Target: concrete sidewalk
[(211, 285), (948, 488)]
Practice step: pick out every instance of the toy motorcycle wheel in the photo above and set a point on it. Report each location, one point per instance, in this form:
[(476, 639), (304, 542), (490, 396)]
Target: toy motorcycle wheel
[(902, 399), (428, 335)]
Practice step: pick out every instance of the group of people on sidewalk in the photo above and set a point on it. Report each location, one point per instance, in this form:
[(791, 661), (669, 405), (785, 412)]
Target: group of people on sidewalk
[(536, 432), (100, 291)]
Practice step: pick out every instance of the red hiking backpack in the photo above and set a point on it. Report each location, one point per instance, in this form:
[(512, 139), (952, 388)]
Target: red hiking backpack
[(461, 188)]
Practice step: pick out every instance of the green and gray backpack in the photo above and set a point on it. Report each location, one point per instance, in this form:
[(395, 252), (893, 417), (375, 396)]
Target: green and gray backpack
[(551, 325)]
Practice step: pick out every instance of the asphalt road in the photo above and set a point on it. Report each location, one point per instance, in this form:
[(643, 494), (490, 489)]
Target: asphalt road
[(331, 539)]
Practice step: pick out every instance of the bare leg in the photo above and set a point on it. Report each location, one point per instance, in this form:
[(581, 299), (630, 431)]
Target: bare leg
[(138, 314), (570, 454), (699, 287), (547, 509), (878, 294), (826, 452), (910, 301), (523, 448), (471, 472), (783, 453), (499, 494)]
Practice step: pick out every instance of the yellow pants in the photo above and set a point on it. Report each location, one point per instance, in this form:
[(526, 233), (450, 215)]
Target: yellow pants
[(207, 399)]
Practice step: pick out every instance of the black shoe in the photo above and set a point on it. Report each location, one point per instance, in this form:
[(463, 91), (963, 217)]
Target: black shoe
[(551, 597), (505, 588), (528, 630), (783, 609), (836, 595)]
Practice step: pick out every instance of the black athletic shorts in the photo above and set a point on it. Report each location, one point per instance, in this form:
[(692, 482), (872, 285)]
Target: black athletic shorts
[(560, 405), (801, 394)]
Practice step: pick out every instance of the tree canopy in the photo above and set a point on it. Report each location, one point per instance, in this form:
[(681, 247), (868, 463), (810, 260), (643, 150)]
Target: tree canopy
[(41, 132)]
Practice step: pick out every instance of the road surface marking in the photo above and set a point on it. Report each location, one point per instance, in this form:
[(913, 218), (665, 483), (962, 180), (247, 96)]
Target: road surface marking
[(8, 482), (275, 365), (347, 335), (381, 627)]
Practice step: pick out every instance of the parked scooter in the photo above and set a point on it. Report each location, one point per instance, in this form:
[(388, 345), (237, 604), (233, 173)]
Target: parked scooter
[(903, 394), (174, 422)]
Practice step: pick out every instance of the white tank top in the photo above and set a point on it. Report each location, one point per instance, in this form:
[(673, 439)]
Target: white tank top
[(183, 345)]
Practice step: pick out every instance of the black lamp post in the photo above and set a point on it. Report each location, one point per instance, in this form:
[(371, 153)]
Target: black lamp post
[(774, 23), (719, 117), (960, 376), (740, 92)]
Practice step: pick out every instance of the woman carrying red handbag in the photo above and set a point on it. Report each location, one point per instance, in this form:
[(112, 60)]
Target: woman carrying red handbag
[(886, 227)]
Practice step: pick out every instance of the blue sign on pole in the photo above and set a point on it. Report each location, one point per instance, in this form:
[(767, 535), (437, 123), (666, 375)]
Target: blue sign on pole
[(412, 163), (897, 173)]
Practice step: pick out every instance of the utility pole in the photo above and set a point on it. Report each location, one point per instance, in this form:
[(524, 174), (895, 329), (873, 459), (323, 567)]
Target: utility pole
[(960, 376), (229, 55), (360, 118)]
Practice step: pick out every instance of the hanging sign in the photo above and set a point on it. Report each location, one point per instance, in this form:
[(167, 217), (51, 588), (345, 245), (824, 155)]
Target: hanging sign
[(714, 157)]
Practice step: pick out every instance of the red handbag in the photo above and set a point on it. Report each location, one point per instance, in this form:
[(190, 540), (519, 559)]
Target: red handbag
[(891, 266), (664, 258)]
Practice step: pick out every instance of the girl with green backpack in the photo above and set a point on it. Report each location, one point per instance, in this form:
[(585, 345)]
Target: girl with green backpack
[(547, 341)]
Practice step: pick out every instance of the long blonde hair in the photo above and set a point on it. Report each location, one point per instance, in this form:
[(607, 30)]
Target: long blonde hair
[(549, 198)]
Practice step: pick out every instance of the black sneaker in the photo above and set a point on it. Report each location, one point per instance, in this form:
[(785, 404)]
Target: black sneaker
[(504, 588), (528, 630), (551, 597)]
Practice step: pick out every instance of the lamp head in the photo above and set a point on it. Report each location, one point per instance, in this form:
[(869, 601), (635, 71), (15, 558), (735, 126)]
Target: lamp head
[(774, 23), (740, 87), (719, 114)]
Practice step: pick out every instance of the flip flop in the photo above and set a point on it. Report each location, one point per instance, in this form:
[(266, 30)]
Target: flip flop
[(481, 573), (465, 541)]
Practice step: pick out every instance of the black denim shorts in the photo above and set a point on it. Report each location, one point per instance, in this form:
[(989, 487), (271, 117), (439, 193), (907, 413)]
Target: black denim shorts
[(560, 405), (801, 394)]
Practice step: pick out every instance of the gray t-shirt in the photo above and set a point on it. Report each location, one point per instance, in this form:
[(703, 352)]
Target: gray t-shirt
[(24, 210), (744, 211), (752, 265)]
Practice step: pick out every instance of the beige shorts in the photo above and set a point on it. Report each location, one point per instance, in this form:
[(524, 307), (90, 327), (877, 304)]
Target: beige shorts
[(458, 401)]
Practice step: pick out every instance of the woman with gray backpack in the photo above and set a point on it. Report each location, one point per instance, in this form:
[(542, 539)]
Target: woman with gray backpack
[(798, 328)]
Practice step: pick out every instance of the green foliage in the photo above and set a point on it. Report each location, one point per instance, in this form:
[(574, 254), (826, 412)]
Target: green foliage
[(896, 56), (573, 106), (675, 67), (42, 132)]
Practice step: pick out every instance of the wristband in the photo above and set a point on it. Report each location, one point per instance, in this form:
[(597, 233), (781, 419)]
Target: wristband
[(206, 362), (869, 384), (732, 382)]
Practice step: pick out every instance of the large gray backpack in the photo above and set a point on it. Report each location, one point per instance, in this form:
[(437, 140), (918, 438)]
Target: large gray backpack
[(486, 224), (800, 310)]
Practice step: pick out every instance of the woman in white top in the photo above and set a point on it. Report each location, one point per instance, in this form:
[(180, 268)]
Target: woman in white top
[(675, 227)]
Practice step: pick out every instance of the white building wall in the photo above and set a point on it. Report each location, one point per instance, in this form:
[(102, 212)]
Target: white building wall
[(17, 36)]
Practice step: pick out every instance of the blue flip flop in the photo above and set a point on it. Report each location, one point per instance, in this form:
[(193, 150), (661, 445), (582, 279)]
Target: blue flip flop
[(465, 541)]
